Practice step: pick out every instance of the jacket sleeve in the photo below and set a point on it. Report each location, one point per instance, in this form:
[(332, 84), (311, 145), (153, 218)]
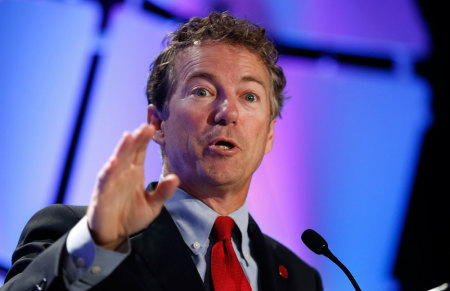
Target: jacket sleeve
[(37, 258)]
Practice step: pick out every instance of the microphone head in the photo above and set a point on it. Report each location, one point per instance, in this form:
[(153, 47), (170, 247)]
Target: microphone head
[(314, 241)]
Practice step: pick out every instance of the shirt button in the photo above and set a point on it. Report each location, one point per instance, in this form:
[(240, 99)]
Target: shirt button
[(196, 245), (80, 262), (96, 269), (247, 255)]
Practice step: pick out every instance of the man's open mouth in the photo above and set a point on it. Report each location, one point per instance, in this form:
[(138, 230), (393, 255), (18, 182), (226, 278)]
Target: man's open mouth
[(224, 145)]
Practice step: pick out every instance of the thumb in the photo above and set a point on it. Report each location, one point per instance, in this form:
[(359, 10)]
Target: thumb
[(164, 190)]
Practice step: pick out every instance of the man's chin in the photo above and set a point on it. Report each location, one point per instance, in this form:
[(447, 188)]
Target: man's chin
[(223, 180)]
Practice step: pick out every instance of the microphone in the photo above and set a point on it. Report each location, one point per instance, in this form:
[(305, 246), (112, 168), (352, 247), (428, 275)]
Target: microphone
[(317, 244)]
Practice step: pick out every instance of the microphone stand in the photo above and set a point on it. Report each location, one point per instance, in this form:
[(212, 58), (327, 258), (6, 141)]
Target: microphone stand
[(327, 253), (316, 243)]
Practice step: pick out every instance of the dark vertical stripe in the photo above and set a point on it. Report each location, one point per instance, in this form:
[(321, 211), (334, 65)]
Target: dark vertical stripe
[(71, 154)]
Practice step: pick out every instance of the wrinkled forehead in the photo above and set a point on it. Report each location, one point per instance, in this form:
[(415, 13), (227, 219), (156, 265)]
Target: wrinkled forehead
[(205, 56)]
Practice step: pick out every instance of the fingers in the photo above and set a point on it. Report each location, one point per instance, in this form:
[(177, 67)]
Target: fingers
[(142, 141), (130, 151), (105, 173), (123, 145), (132, 148), (164, 190), (127, 149)]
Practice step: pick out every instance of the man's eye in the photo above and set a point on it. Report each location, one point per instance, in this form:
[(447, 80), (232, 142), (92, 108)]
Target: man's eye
[(201, 92), (250, 97)]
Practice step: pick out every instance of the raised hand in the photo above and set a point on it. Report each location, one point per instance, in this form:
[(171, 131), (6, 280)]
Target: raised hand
[(120, 206)]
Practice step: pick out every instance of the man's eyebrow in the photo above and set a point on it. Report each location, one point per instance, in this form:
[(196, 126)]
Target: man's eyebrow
[(252, 79), (202, 75), (211, 77)]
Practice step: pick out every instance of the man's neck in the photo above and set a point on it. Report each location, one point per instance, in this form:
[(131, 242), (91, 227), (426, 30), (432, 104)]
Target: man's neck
[(222, 201)]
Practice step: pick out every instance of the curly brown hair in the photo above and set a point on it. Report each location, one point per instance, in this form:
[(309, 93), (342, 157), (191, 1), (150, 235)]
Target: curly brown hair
[(217, 27)]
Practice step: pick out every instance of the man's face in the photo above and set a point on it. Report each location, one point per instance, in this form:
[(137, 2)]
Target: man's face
[(219, 127)]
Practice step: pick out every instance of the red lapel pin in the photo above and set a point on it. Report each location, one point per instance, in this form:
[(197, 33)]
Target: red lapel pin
[(283, 271)]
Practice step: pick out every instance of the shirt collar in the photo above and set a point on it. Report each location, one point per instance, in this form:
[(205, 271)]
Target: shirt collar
[(195, 220)]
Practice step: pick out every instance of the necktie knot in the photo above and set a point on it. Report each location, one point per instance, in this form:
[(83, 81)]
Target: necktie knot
[(222, 228)]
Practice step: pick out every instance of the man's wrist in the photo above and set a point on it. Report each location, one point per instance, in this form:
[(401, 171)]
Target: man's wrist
[(89, 262)]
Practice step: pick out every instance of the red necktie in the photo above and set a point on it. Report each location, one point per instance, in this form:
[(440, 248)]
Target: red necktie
[(227, 273)]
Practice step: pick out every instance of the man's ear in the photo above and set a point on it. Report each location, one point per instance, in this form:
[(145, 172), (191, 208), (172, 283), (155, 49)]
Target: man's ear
[(154, 117), (270, 136)]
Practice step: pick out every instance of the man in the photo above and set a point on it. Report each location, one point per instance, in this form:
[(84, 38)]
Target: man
[(214, 94)]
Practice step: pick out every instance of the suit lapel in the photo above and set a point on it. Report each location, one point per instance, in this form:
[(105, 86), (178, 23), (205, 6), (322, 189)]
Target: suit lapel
[(163, 250), (268, 277)]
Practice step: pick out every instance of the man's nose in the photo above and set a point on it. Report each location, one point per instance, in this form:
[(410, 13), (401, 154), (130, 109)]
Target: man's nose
[(226, 111)]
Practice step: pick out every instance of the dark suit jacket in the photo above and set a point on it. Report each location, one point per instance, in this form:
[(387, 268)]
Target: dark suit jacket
[(159, 258)]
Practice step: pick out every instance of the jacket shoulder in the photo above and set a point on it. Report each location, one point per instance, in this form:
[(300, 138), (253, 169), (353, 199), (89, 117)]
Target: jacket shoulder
[(43, 229), (51, 222)]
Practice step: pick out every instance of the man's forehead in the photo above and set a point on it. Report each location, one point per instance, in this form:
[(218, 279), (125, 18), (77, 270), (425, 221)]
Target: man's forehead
[(189, 63)]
